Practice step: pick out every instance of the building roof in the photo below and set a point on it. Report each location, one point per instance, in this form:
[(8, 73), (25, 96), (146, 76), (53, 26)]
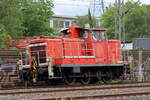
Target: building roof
[(64, 16)]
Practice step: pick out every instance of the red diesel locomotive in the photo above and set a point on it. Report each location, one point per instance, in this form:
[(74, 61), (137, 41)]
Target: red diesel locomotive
[(80, 55)]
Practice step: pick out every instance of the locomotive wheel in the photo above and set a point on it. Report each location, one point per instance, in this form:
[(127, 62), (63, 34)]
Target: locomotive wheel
[(86, 79), (99, 75), (108, 77), (69, 80), (117, 74)]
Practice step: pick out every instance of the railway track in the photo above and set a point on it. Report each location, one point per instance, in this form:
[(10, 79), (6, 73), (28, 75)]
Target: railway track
[(70, 89), (78, 93), (97, 97)]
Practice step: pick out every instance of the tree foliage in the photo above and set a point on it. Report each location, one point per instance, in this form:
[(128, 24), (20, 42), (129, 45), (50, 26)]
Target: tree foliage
[(10, 20), (136, 19), (11, 17), (24, 18), (91, 20), (82, 20), (3, 36), (36, 16), (107, 21)]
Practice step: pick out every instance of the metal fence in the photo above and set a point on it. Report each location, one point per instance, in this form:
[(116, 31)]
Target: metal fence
[(8, 66), (139, 62)]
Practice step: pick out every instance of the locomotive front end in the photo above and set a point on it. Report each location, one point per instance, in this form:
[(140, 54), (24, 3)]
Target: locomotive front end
[(35, 65)]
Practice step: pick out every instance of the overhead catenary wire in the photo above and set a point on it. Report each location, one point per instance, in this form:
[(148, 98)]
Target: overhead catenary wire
[(102, 2), (72, 5), (116, 8), (119, 17), (79, 3), (97, 7), (94, 8)]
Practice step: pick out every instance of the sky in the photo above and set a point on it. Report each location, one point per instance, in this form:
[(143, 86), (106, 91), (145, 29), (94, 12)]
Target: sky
[(80, 7)]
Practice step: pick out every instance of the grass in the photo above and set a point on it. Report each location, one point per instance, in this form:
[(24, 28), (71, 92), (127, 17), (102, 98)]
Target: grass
[(115, 81), (100, 82), (109, 82)]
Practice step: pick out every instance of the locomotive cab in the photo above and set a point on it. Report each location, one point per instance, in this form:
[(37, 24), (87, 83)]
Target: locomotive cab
[(75, 32)]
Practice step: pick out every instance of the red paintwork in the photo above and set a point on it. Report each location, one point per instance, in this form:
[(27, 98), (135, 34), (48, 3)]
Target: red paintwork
[(19, 43), (61, 49)]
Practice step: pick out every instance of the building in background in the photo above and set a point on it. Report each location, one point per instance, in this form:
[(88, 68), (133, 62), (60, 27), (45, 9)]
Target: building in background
[(127, 46), (59, 22), (141, 43)]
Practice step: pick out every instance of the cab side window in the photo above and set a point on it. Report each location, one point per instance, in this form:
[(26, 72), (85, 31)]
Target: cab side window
[(66, 35), (98, 35), (83, 34)]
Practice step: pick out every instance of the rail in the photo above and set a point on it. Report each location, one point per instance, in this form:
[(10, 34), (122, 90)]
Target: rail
[(94, 92)]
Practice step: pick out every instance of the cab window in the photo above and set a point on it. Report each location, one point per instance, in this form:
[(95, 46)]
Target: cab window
[(98, 35), (66, 35), (83, 34)]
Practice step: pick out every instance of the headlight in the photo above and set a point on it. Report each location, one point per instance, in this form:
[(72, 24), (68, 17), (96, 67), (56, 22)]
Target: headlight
[(47, 59)]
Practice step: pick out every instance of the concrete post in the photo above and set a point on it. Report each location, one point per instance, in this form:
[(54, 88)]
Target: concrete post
[(140, 72), (50, 69)]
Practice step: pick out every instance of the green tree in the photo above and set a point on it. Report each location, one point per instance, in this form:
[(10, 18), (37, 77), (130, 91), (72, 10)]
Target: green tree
[(82, 20), (90, 19), (107, 21), (136, 19), (3, 36), (36, 16), (147, 20), (10, 20)]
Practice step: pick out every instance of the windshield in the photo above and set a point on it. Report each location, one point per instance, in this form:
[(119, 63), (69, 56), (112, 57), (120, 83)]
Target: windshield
[(98, 35)]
